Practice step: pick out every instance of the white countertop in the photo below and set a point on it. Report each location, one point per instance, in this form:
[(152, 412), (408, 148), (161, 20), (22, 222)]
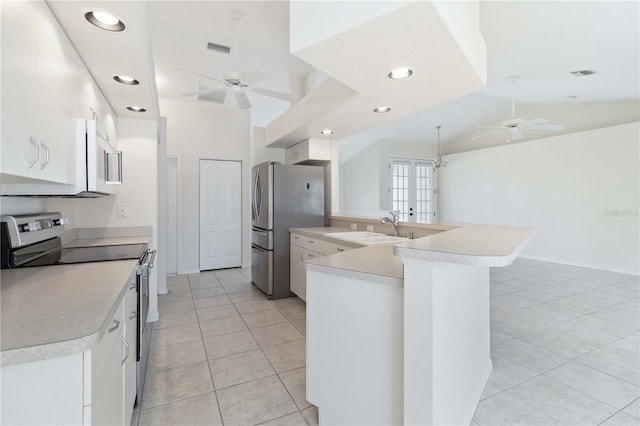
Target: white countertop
[(480, 245), (52, 311)]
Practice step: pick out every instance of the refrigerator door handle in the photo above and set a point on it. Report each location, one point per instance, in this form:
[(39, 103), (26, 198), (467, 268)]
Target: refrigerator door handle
[(258, 196)]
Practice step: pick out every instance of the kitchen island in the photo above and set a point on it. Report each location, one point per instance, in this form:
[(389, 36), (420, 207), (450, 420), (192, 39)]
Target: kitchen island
[(417, 352)]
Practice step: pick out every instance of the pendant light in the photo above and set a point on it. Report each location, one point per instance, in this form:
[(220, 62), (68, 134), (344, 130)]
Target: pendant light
[(439, 161)]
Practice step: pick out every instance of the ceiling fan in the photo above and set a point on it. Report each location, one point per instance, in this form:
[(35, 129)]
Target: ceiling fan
[(515, 126), (235, 82)]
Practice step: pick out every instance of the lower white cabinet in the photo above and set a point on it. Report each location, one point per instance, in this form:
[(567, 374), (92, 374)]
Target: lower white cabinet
[(305, 248), (106, 375), (131, 337), (97, 387)]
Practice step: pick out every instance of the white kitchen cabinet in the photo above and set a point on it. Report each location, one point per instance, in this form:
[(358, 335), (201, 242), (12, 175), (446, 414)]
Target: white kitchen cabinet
[(305, 248), (309, 152), (97, 387), (106, 375), (297, 278), (130, 335), (41, 74)]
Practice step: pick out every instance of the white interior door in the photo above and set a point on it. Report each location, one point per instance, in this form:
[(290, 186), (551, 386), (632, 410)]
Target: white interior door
[(172, 215), (220, 214)]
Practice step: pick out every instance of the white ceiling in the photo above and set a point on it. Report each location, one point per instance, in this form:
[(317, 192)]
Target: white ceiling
[(540, 41)]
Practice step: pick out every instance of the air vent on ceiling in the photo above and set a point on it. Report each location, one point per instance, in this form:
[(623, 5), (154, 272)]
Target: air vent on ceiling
[(218, 47), (582, 73)]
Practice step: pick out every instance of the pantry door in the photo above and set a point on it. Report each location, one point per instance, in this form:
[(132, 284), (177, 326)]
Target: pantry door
[(220, 214)]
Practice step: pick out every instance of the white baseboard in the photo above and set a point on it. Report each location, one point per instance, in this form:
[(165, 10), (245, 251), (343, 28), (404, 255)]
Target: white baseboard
[(153, 316), (581, 264)]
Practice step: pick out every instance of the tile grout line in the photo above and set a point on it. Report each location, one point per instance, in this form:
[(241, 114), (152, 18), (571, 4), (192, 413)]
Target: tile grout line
[(213, 385), (277, 374)]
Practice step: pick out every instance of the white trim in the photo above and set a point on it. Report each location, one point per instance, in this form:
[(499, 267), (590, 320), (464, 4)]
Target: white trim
[(178, 159), (580, 264)]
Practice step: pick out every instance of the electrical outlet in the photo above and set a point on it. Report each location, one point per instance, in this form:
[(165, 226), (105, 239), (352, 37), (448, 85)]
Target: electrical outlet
[(122, 210), (354, 226), (370, 228)]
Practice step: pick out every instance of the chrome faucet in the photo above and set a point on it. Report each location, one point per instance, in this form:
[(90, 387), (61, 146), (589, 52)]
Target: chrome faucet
[(395, 222)]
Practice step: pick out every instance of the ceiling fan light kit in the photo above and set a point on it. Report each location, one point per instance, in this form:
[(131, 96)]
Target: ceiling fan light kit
[(514, 126)]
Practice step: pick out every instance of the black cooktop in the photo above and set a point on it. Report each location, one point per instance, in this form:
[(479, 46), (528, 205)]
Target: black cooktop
[(51, 252), (101, 253)]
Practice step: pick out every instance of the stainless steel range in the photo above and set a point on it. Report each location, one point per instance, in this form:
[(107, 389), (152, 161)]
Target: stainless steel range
[(34, 240)]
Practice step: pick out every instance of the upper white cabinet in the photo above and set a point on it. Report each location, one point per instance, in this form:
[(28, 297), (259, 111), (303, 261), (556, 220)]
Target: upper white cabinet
[(45, 88), (309, 152), (40, 69)]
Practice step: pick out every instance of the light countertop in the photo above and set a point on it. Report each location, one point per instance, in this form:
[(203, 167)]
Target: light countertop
[(52, 311), (480, 245), (373, 263)]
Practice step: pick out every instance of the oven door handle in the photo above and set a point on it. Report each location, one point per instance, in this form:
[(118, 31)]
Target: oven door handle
[(152, 253)]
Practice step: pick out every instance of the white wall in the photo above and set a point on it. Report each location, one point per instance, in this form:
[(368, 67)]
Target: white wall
[(138, 140), (364, 179), (579, 191), (260, 153), (21, 205), (199, 130)]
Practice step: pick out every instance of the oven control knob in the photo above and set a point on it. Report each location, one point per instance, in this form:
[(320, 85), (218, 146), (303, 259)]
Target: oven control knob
[(30, 227), (60, 222)]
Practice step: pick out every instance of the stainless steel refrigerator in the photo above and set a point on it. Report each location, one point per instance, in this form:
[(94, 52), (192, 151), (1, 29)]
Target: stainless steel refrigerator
[(283, 197)]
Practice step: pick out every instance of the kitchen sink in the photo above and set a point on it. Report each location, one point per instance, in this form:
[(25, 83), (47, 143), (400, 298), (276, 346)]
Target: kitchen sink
[(365, 238), (355, 235)]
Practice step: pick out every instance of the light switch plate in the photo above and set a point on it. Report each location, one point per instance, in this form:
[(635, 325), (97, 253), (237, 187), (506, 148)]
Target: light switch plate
[(370, 228), (354, 226)]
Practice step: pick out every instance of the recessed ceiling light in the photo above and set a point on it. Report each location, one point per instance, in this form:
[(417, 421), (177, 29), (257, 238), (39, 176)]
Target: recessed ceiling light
[(125, 79), (382, 109), (104, 20), (327, 132), (399, 73), (136, 109), (582, 73)]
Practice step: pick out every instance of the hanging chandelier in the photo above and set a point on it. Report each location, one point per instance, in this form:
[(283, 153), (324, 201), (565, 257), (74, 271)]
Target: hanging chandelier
[(439, 161)]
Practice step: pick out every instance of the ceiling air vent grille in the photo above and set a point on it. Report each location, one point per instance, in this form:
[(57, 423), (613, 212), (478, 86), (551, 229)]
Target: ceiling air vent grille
[(218, 47), (582, 73)]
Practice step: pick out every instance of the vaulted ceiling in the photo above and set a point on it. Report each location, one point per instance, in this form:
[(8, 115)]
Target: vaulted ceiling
[(543, 42)]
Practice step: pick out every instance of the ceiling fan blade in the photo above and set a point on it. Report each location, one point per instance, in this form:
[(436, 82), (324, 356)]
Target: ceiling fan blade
[(533, 121), (216, 96), (203, 91), (204, 75), (242, 99), (272, 93), (502, 129), (254, 77), (492, 127), (546, 127), (515, 133)]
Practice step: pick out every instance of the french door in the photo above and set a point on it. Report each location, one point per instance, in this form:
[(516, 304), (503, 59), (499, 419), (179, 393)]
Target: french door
[(412, 189)]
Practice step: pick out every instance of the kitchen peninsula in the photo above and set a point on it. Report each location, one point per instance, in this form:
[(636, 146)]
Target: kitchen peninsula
[(418, 351)]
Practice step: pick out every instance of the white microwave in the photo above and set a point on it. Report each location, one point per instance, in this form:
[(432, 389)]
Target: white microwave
[(96, 169), (104, 162)]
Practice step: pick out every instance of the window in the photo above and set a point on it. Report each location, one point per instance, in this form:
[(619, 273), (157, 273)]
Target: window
[(412, 189)]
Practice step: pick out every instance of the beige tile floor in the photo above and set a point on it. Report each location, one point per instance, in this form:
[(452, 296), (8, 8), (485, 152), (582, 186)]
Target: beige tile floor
[(564, 348)]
